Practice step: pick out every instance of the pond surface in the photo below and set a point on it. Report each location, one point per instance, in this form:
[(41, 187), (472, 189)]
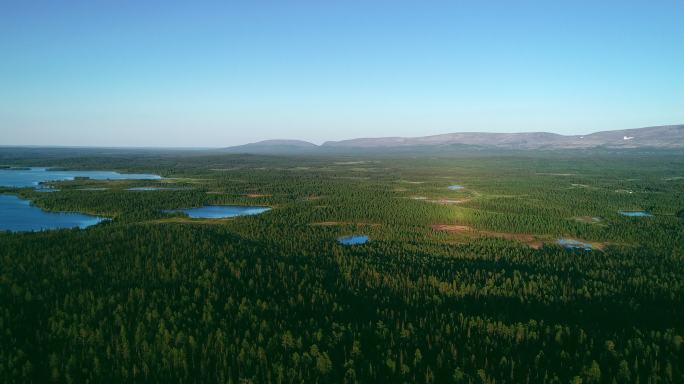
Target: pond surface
[(635, 213), (220, 211), (32, 177), (18, 215), (575, 244), (456, 187), (46, 189), (353, 240)]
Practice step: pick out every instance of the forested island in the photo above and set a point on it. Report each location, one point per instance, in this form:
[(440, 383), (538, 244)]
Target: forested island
[(454, 285)]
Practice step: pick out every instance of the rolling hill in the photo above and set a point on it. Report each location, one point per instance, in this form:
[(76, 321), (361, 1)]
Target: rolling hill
[(666, 137)]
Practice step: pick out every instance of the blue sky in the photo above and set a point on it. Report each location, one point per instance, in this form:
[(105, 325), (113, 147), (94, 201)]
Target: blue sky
[(210, 73)]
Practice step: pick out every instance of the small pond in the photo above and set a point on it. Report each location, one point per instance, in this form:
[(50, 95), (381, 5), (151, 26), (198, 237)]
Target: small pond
[(18, 215), (575, 244), (635, 213), (456, 187), (32, 177), (220, 211), (353, 239)]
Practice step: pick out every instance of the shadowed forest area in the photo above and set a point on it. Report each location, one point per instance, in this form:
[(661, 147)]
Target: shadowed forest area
[(454, 286)]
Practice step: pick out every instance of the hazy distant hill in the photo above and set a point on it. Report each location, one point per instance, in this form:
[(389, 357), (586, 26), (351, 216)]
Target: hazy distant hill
[(275, 146), (663, 136), (670, 136)]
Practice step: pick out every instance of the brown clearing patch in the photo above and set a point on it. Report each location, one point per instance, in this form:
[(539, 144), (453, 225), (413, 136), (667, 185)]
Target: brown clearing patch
[(531, 240), (258, 195), (451, 228), (589, 219), (443, 201), (449, 201)]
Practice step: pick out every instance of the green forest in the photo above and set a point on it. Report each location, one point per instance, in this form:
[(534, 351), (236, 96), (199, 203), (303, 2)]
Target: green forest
[(454, 286)]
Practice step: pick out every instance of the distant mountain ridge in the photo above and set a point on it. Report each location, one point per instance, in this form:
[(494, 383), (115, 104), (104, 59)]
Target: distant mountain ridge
[(667, 136), (275, 146)]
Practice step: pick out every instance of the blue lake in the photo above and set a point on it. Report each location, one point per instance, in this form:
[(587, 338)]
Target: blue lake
[(635, 213), (575, 244), (353, 240), (18, 215), (23, 178), (456, 187), (220, 211)]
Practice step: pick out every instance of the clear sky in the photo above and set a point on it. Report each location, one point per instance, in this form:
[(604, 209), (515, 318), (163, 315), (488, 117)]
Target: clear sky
[(220, 73)]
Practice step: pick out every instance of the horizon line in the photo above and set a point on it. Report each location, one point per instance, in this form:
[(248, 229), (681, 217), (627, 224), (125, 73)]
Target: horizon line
[(203, 147)]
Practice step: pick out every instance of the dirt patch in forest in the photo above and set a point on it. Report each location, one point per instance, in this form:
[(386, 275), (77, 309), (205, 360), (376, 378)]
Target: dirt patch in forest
[(589, 219), (450, 201), (442, 201), (531, 240), (258, 195), (452, 228), (528, 239)]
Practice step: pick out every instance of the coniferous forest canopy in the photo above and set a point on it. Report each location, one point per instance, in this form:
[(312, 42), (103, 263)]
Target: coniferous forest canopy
[(455, 286)]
